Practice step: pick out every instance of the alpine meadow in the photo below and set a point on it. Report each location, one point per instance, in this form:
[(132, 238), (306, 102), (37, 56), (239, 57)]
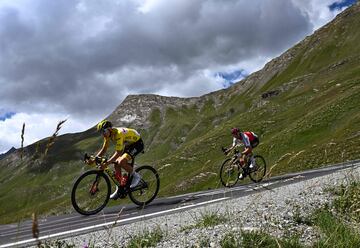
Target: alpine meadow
[(304, 105)]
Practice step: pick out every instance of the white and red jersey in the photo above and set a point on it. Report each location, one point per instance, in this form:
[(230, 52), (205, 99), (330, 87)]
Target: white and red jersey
[(246, 138)]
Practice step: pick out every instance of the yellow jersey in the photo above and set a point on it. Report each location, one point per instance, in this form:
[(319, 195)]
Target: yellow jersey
[(122, 137)]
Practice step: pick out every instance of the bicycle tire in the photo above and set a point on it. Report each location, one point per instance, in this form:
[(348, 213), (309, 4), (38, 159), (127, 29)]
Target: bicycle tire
[(257, 175), (81, 197), (229, 174), (148, 187)]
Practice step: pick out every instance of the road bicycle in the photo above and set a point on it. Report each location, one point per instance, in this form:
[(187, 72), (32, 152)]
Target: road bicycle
[(231, 169), (91, 191)]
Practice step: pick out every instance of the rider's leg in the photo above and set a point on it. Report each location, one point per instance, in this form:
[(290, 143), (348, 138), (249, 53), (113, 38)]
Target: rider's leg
[(243, 161), (244, 157), (247, 155), (118, 165), (129, 155), (123, 162), (251, 158)]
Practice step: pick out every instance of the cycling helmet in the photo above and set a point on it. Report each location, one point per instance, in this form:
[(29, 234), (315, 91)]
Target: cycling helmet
[(103, 124), (235, 131)]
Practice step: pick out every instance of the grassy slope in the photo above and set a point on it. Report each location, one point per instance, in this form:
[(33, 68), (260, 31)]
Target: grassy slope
[(313, 121)]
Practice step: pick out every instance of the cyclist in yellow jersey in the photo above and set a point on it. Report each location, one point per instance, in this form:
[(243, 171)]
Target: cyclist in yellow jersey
[(128, 144)]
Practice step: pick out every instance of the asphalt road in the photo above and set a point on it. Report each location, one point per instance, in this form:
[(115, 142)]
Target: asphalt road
[(20, 234)]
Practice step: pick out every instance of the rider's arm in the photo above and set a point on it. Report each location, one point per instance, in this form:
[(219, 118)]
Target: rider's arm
[(103, 148), (232, 146), (247, 150), (118, 151), (113, 158)]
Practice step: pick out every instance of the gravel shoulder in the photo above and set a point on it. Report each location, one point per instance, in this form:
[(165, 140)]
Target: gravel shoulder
[(277, 212)]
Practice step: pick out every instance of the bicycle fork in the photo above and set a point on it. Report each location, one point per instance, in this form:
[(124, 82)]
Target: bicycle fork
[(95, 186)]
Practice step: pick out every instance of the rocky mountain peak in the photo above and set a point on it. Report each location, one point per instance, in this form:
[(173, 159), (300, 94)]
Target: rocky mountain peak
[(135, 110), (10, 151)]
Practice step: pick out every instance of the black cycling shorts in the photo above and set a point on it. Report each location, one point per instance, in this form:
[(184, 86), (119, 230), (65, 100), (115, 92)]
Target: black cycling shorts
[(255, 142), (134, 148)]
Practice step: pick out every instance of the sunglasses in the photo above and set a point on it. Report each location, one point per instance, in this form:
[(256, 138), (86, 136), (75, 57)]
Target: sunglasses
[(105, 131)]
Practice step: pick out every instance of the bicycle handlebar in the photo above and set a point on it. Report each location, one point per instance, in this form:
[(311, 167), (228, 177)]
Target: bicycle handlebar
[(98, 160), (226, 152), (86, 157)]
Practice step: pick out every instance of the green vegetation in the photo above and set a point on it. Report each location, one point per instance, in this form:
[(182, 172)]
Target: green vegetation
[(348, 202), (337, 233), (230, 240), (210, 219), (261, 239), (336, 224), (299, 219), (313, 121), (146, 239), (331, 222), (207, 219)]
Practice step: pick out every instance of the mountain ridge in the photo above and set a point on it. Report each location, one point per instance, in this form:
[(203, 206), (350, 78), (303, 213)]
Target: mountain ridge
[(303, 104), (257, 79)]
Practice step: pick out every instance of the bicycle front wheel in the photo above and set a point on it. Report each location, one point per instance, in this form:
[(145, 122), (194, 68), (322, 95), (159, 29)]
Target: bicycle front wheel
[(91, 192), (229, 173), (148, 187), (258, 172)]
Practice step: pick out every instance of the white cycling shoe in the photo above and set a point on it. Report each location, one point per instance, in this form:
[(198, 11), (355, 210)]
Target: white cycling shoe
[(115, 195), (135, 180)]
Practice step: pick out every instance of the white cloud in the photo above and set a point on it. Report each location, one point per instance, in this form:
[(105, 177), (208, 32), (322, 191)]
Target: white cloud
[(146, 6), (201, 81), (37, 126), (317, 10), (82, 58)]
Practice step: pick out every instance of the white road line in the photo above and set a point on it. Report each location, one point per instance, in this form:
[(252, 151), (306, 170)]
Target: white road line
[(56, 225), (112, 223), (214, 192), (176, 196), (261, 186), (248, 190)]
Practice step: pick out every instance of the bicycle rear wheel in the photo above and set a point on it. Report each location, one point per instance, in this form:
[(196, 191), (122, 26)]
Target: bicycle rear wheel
[(91, 192), (258, 173), (229, 173), (148, 187)]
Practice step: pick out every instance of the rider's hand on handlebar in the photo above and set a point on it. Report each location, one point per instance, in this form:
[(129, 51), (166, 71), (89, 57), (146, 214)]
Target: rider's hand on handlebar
[(90, 161), (102, 162), (225, 151), (103, 165)]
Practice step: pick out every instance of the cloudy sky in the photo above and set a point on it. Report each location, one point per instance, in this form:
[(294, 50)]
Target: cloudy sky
[(78, 59)]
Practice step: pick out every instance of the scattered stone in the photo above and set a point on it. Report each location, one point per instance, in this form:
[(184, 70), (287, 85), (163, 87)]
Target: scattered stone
[(278, 212), (270, 94)]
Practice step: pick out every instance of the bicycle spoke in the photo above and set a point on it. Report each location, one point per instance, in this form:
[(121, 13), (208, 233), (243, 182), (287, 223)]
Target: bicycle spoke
[(229, 173), (259, 170), (148, 187), (90, 193)]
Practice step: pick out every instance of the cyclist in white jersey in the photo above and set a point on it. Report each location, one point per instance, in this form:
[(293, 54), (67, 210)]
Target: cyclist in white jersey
[(250, 141)]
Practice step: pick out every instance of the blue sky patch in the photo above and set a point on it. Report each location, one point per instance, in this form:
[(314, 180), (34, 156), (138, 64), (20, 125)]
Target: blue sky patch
[(230, 78), (7, 115), (340, 4)]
